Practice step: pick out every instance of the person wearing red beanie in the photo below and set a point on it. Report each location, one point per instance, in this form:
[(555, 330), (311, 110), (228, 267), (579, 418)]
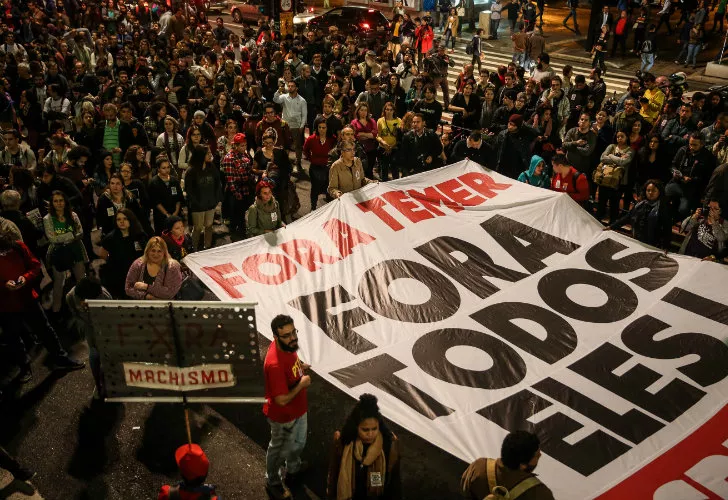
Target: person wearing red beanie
[(193, 467)]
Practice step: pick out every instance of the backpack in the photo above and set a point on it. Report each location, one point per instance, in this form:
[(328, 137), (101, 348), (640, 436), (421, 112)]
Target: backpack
[(175, 495), (469, 48), (502, 493)]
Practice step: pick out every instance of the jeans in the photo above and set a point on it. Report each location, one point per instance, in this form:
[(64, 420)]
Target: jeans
[(387, 164), (297, 136), (572, 13), (202, 221), (647, 61), (35, 321), (319, 183), (494, 23), (449, 37), (59, 280), (286, 444), (693, 50), (683, 52), (519, 58)]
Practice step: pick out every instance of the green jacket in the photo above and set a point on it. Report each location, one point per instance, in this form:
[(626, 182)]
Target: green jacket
[(259, 220)]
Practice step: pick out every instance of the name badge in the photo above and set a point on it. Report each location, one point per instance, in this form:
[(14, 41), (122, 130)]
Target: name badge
[(557, 184), (274, 216), (137, 246), (375, 479), (110, 212), (356, 174), (174, 191)]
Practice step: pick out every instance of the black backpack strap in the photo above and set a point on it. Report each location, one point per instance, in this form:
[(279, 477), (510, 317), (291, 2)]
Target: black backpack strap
[(174, 493)]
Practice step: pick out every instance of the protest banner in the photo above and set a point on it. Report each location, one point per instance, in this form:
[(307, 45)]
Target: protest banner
[(472, 305)]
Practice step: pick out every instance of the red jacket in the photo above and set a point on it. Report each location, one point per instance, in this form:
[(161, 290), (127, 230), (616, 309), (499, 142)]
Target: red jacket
[(317, 153), (579, 192), (425, 35), (16, 262)]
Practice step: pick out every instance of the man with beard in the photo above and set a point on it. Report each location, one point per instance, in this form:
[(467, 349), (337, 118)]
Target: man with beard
[(286, 406), (634, 92), (513, 472), (271, 121)]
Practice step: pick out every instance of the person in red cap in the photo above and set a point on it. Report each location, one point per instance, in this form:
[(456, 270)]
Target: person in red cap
[(193, 466), (237, 167)]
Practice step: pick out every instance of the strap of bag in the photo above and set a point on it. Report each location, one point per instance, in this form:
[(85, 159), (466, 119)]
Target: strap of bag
[(174, 493), (490, 472), (523, 486)]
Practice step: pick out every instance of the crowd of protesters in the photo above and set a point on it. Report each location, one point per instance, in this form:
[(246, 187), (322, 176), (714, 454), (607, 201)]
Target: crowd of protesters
[(126, 127)]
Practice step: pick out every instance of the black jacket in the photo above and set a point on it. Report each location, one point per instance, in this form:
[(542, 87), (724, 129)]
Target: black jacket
[(415, 150)]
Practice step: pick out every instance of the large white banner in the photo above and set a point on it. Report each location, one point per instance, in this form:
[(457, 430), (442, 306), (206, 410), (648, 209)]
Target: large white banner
[(473, 305)]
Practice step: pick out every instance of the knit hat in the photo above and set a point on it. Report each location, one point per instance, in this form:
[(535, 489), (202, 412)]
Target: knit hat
[(239, 138), (516, 120), (192, 462), (201, 113)]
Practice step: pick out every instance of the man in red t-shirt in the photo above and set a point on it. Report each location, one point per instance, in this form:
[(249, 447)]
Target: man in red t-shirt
[(567, 179), (285, 405)]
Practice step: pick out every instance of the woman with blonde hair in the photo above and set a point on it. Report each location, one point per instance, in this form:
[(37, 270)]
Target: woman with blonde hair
[(155, 275)]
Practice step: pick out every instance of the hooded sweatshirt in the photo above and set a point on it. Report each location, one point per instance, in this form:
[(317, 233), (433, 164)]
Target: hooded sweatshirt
[(530, 177)]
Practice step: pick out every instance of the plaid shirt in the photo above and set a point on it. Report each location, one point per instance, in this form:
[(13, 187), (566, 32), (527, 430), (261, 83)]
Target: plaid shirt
[(237, 168)]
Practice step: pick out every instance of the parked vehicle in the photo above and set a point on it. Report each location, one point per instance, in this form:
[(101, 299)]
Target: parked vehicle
[(361, 22)]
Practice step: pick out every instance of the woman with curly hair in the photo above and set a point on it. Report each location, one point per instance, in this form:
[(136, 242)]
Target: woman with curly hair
[(365, 463)]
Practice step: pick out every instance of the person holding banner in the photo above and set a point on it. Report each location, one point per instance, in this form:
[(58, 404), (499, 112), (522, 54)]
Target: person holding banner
[(155, 275), (365, 461), (286, 406), (264, 215), (510, 476), (347, 173)]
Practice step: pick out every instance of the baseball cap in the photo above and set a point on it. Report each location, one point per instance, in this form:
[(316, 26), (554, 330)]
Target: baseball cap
[(192, 461), (239, 138)]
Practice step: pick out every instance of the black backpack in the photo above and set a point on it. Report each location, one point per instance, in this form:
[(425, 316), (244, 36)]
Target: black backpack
[(175, 495)]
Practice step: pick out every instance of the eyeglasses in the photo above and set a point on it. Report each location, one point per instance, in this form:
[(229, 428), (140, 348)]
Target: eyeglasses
[(287, 336)]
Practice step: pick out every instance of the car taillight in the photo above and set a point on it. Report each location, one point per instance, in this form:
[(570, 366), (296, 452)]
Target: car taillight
[(364, 26)]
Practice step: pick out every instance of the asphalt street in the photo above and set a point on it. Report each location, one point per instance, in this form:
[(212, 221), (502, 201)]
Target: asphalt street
[(83, 450)]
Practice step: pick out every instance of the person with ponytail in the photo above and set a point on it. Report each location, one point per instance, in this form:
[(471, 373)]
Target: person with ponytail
[(365, 460)]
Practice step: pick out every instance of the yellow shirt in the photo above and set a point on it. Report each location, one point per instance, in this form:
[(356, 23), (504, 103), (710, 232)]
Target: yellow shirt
[(650, 110), (387, 130), (396, 29)]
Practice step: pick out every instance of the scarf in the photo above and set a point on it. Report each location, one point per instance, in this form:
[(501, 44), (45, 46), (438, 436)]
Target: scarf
[(269, 207), (374, 460)]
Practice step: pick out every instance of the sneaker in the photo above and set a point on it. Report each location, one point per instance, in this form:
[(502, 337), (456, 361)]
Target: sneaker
[(278, 491), (23, 474), (67, 364), (25, 375)]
